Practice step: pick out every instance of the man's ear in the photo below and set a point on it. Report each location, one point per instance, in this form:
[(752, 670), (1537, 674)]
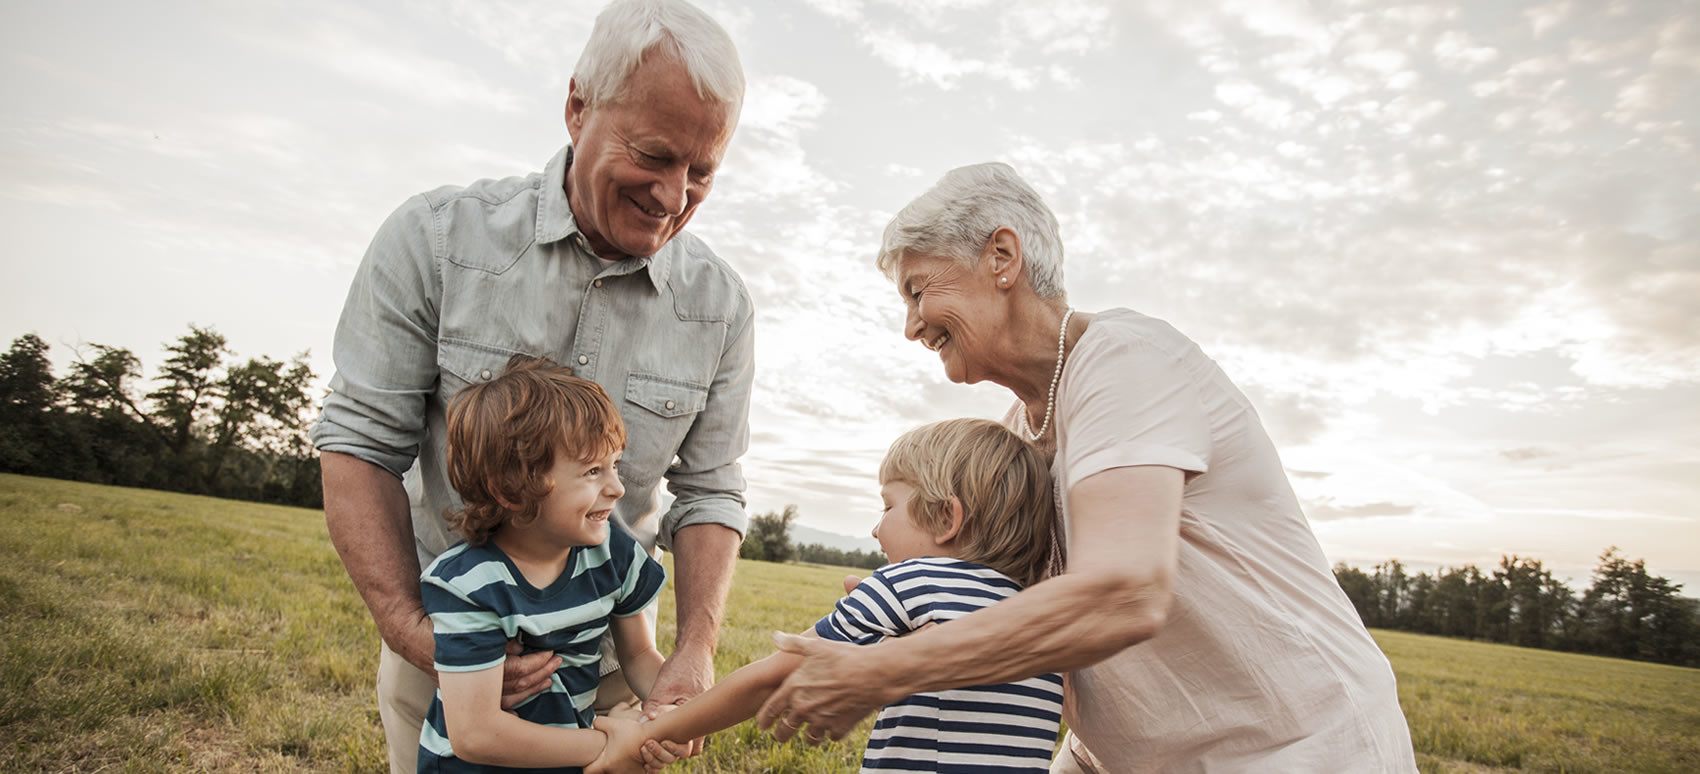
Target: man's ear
[(575, 111), (952, 513), (1002, 257)]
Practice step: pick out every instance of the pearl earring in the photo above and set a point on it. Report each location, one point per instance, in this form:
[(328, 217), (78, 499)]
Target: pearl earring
[(1003, 280)]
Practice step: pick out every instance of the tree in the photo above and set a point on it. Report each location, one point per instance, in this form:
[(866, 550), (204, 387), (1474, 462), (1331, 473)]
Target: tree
[(186, 382), (769, 536), (816, 553), (101, 386), (27, 398), (1360, 589)]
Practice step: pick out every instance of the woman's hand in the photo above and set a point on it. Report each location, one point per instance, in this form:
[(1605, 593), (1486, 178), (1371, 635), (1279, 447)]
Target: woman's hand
[(831, 692)]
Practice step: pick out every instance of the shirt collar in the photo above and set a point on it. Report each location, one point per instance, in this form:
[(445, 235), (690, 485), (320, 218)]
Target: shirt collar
[(555, 222)]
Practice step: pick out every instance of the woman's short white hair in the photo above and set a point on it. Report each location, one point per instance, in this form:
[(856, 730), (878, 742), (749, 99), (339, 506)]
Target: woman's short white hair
[(957, 215), (627, 30)]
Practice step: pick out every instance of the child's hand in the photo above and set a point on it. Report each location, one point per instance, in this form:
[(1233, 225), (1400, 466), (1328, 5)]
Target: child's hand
[(620, 753), (657, 754)]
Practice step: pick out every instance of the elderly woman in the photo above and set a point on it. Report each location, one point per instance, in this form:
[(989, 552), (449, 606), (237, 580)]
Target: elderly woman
[(1194, 613)]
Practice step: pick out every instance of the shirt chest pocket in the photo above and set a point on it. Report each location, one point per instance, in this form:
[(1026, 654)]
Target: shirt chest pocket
[(658, 414), (461, 364)]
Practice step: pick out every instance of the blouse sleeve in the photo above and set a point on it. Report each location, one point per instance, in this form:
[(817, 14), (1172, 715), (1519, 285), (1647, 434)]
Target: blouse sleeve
[(1130, 402)]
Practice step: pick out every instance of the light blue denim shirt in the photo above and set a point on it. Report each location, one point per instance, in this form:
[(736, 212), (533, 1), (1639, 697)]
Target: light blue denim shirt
[(459, 279)]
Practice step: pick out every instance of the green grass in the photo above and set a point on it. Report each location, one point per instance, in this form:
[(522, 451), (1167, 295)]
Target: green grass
[(145, 631)]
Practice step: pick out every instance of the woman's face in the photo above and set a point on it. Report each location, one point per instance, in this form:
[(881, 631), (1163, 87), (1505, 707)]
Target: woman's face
[(952, 311)]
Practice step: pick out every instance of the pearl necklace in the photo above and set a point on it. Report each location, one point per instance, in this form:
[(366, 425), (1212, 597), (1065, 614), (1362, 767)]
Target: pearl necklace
[(1051, 397)]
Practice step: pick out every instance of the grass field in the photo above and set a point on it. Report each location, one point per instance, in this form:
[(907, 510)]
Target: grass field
[(145, 631)]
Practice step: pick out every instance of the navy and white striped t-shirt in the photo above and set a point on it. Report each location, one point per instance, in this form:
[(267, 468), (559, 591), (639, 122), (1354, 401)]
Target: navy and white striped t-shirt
[(478, 600), (1010, 727)]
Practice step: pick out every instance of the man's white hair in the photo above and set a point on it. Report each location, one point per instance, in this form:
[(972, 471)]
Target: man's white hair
[(956, 217), (627, 30)]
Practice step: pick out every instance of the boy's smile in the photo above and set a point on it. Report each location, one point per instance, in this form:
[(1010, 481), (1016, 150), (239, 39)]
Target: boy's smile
[(581, 498)]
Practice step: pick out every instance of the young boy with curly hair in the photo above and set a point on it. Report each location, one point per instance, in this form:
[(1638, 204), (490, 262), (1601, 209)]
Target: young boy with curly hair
[(969, 520), (534, 455)]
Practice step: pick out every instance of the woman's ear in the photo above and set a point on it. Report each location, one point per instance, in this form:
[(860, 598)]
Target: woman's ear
[(1002, 257), (952, 513)]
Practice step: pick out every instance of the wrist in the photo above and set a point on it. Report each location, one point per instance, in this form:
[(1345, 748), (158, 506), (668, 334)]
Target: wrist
[(897, 668)]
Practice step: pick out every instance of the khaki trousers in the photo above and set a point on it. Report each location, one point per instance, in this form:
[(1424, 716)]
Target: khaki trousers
[(405, 694)]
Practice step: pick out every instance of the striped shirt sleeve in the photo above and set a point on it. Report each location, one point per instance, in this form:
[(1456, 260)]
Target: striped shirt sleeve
[(871, 612), (642, 579), (469, 637)]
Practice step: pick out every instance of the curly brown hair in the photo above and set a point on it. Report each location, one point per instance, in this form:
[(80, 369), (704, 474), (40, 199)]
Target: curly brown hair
[(504, 434)]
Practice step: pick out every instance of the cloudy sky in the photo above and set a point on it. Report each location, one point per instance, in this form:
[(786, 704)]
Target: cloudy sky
[(1450, 250)]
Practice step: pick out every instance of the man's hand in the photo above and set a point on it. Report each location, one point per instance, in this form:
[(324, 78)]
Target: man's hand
[(851, 582), (526, 676), (683, 677)]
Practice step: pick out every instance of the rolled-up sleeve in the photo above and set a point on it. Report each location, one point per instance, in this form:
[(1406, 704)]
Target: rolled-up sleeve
[(385, 348), (708, 483)]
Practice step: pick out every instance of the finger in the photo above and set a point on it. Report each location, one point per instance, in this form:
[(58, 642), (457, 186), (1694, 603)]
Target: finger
[(676, 749), (786, 729), (512, 696), (851, 582), (655, 756), (791, 643), (697, 746), (774, 708), (519, 668)]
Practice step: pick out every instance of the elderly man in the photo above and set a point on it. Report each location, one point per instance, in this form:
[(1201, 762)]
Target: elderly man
[(587, 264)]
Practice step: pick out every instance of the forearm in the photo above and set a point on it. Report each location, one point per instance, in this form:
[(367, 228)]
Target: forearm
[(704, 556), (1063, 624), (731, 701), (503, 739), (1116, 594), (370, 524), (640, 665)]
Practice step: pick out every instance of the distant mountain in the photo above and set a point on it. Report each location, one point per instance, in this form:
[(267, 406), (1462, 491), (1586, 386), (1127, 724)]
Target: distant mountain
[(803, 536)]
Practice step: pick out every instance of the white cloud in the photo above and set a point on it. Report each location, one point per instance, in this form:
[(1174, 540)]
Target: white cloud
[(1456, 50)]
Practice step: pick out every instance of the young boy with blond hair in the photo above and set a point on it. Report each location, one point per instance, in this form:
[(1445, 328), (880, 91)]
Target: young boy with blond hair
[(969, 520), (534, 454)]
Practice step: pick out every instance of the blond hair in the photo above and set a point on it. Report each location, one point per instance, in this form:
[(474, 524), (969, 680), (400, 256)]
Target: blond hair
[(503, 436), (1009, 516)]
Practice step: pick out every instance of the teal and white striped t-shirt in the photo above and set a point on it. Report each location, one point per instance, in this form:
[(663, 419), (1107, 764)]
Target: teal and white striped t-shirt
[(478, 600), (1009, 727)]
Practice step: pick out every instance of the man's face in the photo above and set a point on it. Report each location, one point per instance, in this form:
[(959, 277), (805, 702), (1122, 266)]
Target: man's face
[(642, 164)]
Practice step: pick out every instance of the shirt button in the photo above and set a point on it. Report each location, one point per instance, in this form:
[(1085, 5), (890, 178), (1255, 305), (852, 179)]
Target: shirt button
[(597, 283), (485, 374), (670, 405), (582, 360)]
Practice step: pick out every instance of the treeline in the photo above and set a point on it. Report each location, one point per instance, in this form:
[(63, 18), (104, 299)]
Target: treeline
[(768, 539), (1627, 612), (207, 423)]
